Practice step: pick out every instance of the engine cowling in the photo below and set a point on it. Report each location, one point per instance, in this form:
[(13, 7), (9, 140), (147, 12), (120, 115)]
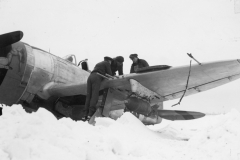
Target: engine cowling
[(13, 60)]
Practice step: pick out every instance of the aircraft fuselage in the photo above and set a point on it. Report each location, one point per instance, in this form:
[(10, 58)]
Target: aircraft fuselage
[(30, 70)]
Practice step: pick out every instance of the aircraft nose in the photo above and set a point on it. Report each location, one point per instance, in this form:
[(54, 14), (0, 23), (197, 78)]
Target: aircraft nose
[(13, 59)]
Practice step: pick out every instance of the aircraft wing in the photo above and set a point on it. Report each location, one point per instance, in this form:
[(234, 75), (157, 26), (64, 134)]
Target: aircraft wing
[(169, 83), (165, 83)]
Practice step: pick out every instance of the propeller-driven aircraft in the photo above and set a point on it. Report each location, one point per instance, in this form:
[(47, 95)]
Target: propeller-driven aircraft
[(35, 78)]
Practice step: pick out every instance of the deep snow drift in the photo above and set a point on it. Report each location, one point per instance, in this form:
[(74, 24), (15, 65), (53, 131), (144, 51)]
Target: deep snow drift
[(40, 136)]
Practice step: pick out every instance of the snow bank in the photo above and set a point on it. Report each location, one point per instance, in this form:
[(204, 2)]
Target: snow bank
[(40, 136), (214, 135), (221, 135)]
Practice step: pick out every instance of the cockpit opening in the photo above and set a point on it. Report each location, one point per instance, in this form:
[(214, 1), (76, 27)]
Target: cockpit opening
[(84, 65)]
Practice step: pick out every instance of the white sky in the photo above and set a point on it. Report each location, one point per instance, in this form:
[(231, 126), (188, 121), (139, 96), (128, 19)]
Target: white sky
[(40, 136), (161, 32)]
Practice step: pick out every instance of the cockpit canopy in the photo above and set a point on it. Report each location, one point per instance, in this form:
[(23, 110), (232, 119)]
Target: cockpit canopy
[(72, 58)]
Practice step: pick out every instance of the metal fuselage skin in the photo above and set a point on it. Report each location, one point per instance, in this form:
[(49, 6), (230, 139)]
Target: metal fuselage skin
[(31, 70)]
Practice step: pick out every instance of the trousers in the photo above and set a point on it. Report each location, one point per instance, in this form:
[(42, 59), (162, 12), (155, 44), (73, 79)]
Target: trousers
[(93, 87)]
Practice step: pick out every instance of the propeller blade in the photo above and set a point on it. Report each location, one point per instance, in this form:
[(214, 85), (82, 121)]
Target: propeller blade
[(10, 38), (179, 115)]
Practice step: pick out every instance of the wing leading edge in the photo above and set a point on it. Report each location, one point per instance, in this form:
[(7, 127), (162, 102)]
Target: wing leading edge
[(171, 83)]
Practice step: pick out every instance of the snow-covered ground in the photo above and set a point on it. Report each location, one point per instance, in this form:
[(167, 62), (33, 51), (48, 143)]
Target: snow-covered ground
[(40, 136)]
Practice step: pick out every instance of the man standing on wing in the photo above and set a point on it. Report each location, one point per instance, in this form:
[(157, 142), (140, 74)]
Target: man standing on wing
[(93, 86)]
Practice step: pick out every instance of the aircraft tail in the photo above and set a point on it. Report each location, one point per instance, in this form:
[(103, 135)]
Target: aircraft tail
[(174, 115)]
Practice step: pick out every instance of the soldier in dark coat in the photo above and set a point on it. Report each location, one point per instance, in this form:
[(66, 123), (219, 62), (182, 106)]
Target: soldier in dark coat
[(93, 86), (137, 63), (117, 65)]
